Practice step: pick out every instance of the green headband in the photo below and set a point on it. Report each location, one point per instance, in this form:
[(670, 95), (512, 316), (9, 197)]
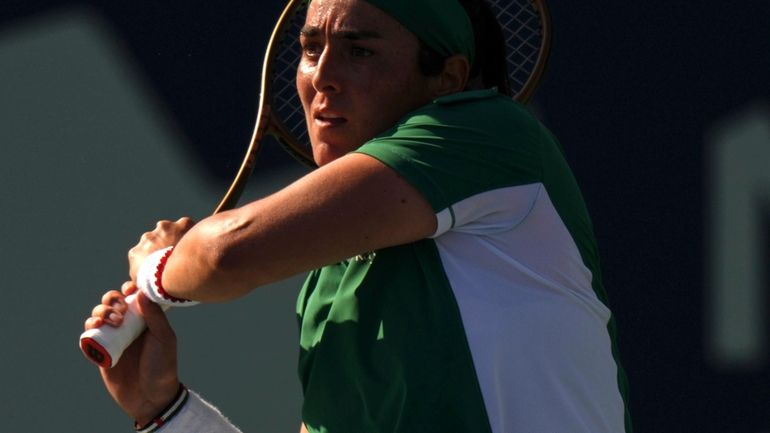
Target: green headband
[(443, 25)]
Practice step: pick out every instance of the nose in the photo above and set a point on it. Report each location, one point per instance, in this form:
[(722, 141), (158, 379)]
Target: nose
[(327, 77)]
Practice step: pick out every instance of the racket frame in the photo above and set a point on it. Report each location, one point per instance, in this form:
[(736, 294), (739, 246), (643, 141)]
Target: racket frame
[(266, 123)]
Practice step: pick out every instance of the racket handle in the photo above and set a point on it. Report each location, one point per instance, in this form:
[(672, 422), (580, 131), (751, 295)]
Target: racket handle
[(105, 345)]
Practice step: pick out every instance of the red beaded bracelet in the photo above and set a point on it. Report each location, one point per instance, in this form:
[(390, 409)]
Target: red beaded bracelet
[(167, 413)]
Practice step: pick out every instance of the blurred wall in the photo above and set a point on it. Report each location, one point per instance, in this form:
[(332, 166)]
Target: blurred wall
[(89, 160)]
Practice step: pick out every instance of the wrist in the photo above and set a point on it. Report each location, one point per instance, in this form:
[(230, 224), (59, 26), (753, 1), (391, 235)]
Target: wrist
[(149, 279), (158, 418)]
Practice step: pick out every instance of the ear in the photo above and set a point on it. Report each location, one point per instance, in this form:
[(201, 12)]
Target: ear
[(453, 78)]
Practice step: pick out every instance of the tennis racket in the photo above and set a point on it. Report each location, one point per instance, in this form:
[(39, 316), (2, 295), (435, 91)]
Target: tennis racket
[(279, 114), (526, 29)]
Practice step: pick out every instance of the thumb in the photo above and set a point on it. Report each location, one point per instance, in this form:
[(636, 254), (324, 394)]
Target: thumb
[(155, 318)]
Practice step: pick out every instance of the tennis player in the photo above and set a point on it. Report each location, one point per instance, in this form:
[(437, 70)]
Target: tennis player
[(454, 280)]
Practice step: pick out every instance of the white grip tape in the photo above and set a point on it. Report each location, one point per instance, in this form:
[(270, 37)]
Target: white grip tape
[(105, 345)]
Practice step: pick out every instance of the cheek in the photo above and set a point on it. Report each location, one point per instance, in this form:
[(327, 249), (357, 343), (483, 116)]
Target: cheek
[(392, 99), (305, 89)]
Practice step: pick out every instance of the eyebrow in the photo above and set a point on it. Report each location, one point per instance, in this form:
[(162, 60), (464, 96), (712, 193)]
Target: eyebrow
[(351, 35)]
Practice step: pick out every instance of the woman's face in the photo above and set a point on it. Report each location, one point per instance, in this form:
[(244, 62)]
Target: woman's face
[(357, 77)]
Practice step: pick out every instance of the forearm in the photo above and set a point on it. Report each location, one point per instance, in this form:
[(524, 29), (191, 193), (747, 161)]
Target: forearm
[(194, 270), (348, 207), (225, 256)]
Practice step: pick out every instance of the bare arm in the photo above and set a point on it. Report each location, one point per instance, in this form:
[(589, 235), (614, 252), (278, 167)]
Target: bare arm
[(352, 205)]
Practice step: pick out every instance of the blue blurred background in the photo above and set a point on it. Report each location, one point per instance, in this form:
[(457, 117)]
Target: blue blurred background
[(114, 114)]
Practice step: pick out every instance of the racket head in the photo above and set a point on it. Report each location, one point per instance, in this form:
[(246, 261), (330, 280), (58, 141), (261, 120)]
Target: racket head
[(287, 115), (526, 28)]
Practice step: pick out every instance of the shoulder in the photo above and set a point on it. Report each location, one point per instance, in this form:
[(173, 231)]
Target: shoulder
[(472, 106), (467, 115)]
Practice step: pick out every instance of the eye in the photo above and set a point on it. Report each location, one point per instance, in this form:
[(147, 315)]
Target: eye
[(311, 50), (358, 51)]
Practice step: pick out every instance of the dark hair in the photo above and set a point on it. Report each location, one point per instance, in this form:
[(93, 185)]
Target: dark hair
[(489, 67)]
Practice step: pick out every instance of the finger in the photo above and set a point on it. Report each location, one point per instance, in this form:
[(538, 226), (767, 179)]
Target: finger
[(163, 224), (170, 232), (128, 288), (113, 298), (107, 314), (148, 236), (186, 223), (117, 302), (93, 322)]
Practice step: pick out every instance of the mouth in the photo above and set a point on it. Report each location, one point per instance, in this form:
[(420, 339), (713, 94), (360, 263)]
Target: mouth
[(328, 118)]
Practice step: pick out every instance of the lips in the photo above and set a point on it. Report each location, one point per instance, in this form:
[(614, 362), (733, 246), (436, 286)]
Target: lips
[(326, 117), (330, 121)]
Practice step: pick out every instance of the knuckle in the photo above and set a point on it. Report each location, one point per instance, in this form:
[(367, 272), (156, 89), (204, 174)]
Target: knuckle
[(186, 222), (127, 287), (112, 297)]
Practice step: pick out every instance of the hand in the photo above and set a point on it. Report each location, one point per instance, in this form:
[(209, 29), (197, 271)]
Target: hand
[(145, 379), (165, 234)]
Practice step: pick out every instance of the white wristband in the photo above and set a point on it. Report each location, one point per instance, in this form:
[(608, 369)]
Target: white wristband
[(149, 280)]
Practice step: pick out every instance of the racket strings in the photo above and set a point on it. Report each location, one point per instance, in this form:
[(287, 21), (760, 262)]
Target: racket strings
[(286, 105), (520, 21), (522, 28)]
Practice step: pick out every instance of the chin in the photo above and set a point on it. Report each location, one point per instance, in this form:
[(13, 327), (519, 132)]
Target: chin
[(324, 153)]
